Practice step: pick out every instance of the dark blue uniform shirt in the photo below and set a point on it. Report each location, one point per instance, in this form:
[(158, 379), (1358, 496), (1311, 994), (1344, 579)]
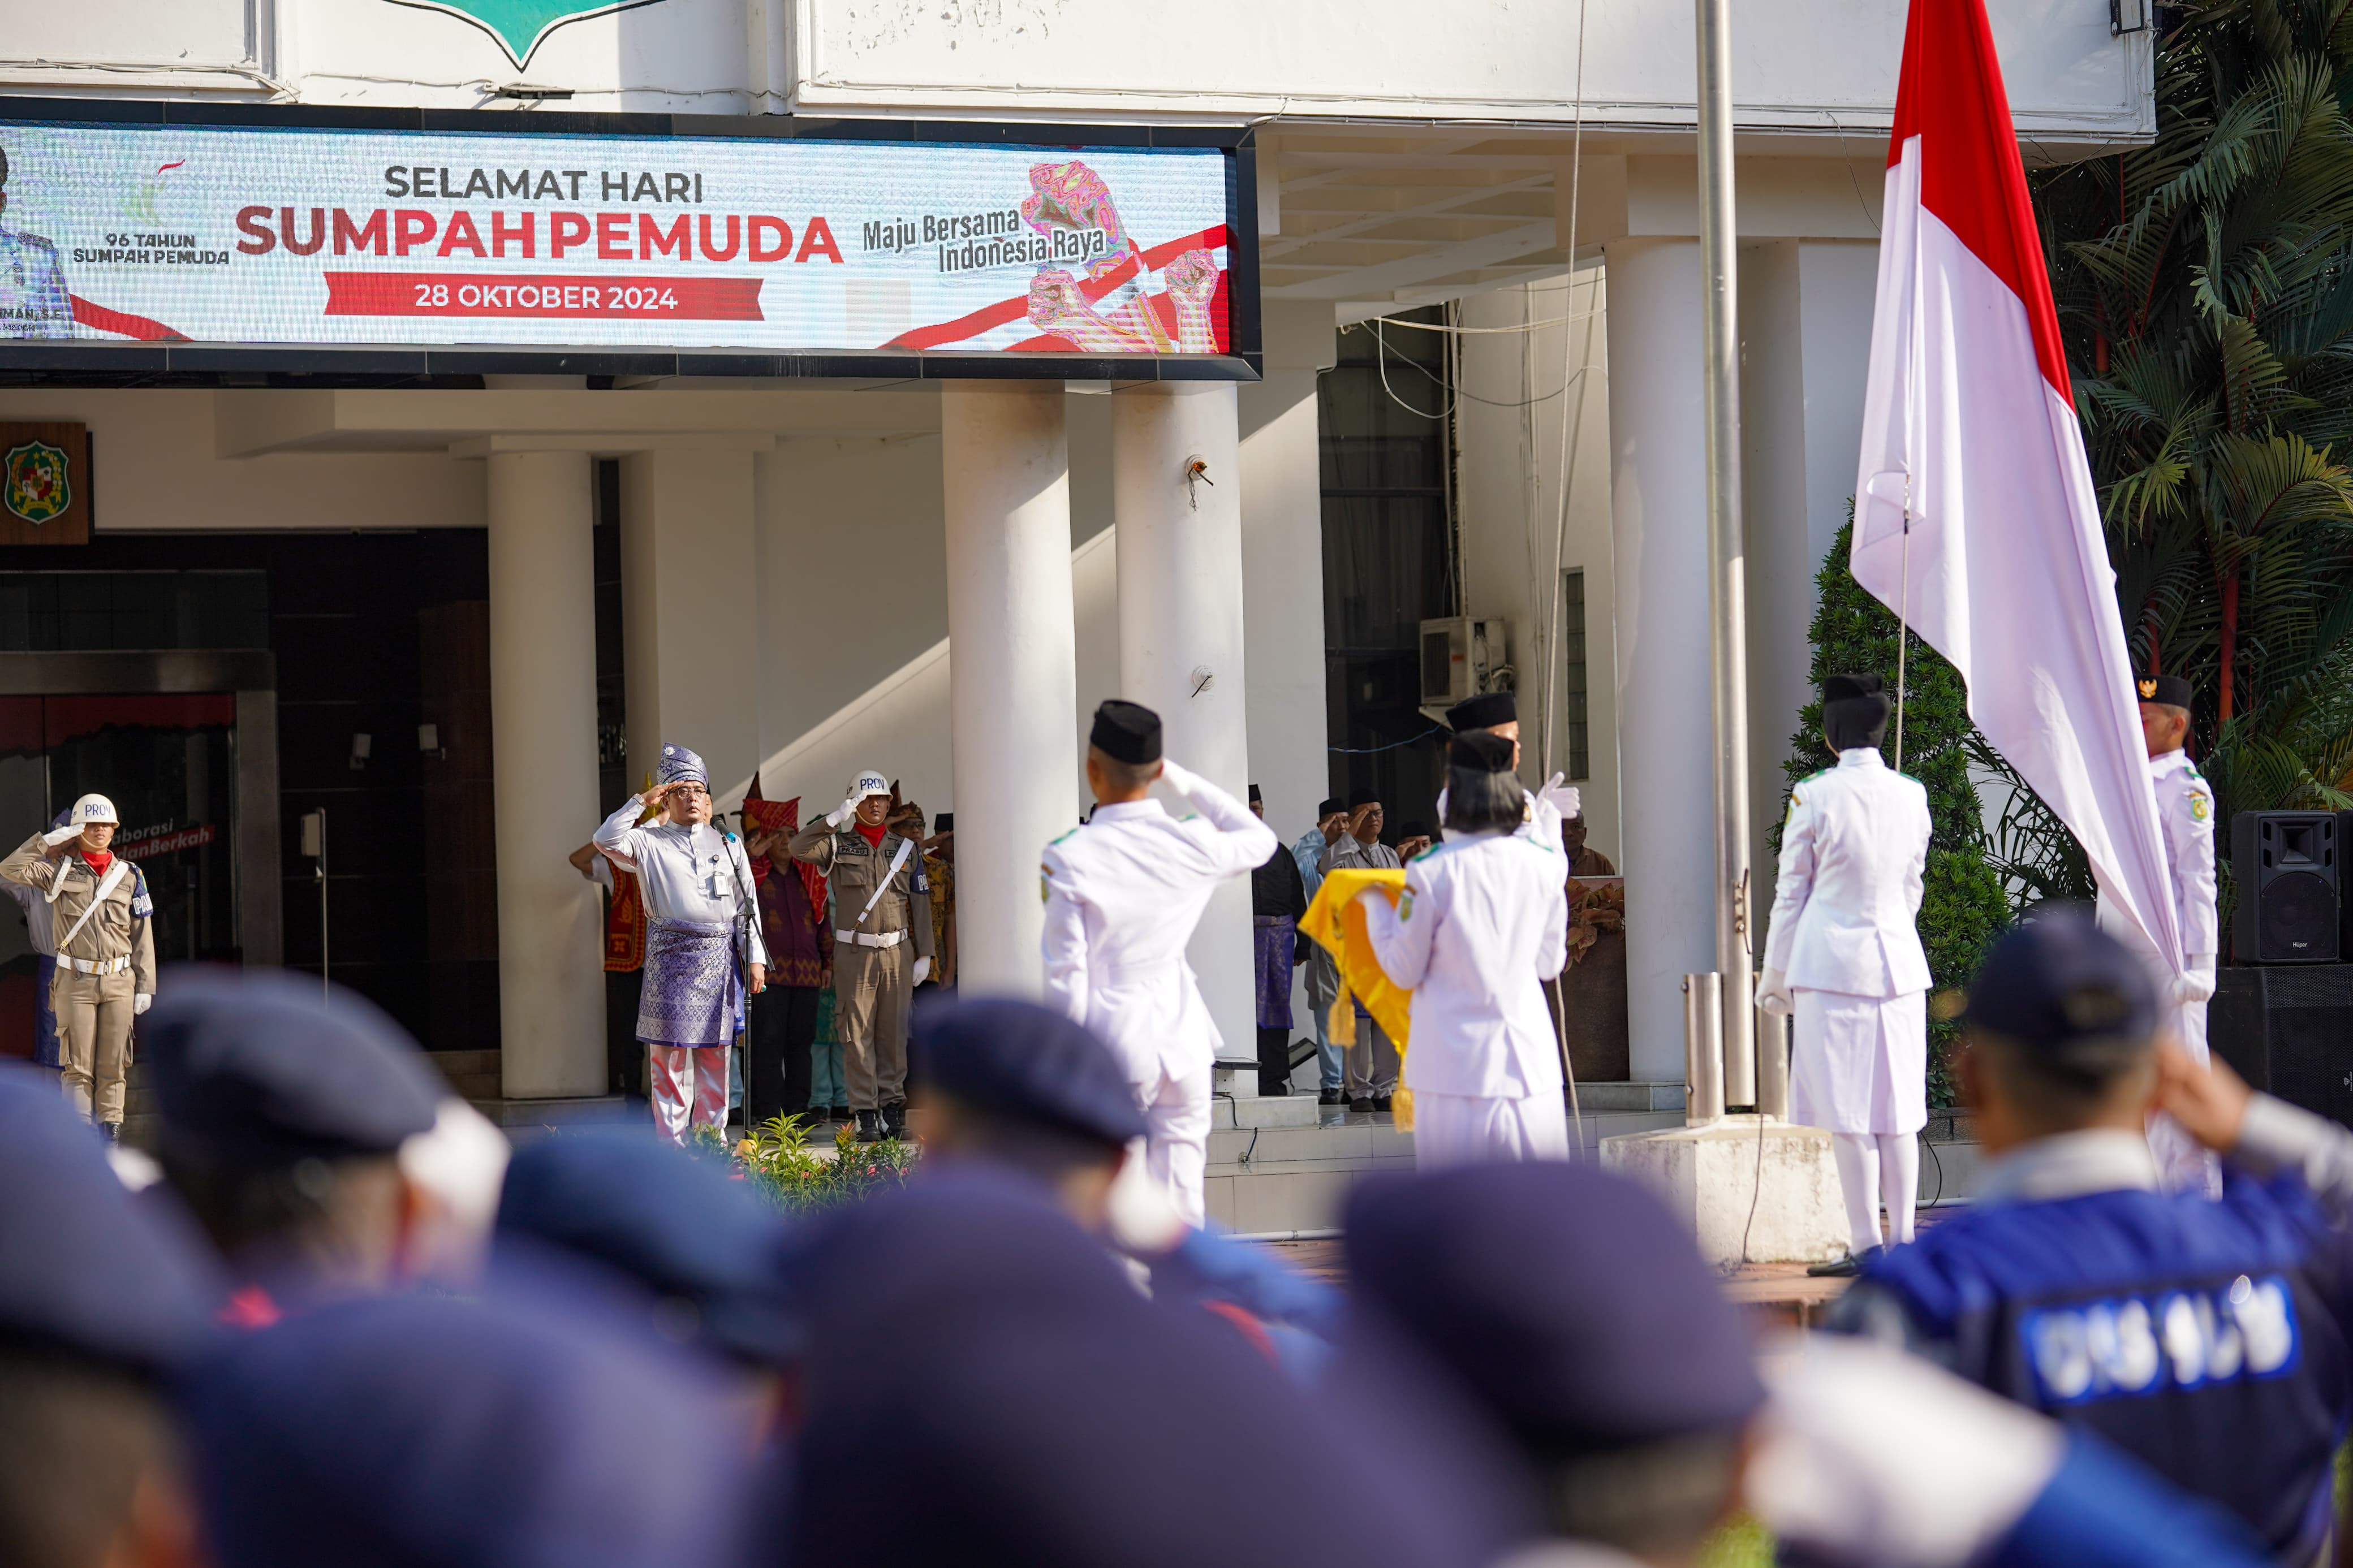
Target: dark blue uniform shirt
[(2207, 1338)]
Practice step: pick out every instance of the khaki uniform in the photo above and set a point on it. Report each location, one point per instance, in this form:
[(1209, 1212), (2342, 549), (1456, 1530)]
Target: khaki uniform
[(873, 972), (110, 960)]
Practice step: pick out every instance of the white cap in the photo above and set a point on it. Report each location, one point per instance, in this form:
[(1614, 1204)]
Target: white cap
[(91, 808), (869, 783)]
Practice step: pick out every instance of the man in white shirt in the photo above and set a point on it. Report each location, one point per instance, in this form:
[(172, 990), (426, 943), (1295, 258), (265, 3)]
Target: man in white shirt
[(1844, 958), (1371, 1063), (703, 948), (1122, 895), (2185, 813)]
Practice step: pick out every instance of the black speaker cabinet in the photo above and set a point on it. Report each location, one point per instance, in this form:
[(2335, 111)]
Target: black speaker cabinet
[(2289, 1031), (2283, 864)]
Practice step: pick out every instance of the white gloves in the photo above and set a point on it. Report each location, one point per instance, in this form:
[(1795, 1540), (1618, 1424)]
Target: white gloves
[(1562, 797), (1773, 993), (923, 969), (141, 1003), (57, 836), (1177, 776), (842, 812), (2197, 985)]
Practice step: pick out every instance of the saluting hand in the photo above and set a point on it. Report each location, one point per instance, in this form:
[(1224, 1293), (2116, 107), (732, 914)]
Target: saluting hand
[(2209, 1101)]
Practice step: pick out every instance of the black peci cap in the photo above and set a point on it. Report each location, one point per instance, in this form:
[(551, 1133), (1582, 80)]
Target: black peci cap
[(1484, 711), (1126, 732), (1329, 806), (2067, 991), (944, 822), (1839, 688), (1479, 753), (1358, 798), (2170, 690), (1256, 796)]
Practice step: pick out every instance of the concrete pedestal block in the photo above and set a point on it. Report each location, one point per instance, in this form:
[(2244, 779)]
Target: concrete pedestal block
[(1710, 1176)]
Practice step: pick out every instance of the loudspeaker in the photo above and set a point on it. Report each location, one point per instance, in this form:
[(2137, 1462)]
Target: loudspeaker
[(2289, 1031), (2284, 866)]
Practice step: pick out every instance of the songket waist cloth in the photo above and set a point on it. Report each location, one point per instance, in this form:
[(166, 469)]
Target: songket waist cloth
[(1271, 938), (694, 992)]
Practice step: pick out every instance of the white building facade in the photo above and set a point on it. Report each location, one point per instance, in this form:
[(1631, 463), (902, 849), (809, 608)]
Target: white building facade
[(936, 562)]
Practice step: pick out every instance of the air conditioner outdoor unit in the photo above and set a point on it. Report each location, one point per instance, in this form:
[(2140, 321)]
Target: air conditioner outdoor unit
[(1463, 655)]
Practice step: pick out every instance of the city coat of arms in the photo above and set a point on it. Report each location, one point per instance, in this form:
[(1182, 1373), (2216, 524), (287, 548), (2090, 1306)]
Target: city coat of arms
[(520, 26), (36, 483)]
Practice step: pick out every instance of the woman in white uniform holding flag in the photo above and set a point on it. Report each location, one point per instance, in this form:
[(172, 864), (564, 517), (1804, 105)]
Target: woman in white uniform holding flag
[(1844, 957), (1483, 922)]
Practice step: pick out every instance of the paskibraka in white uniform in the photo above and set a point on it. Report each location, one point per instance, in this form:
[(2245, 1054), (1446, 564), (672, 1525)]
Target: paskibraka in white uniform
[(1852, 855), (2185, 814), (1122, 896), (1482, 922)]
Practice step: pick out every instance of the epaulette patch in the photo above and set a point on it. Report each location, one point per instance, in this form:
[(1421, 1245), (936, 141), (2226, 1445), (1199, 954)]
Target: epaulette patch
[(1050, 843)]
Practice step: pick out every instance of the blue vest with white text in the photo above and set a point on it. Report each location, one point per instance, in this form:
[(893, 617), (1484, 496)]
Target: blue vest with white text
[(2207, 1338)]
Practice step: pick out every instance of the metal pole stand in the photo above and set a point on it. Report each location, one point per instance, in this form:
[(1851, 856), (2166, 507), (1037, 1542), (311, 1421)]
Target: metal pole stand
[(1773, 1065), (1703, 1048)]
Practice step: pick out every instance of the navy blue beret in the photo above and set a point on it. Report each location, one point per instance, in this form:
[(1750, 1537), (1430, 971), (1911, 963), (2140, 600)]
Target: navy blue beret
[(85, 1267), (497, 1433), (2065, 989), (1027, 1063), (1570, 1301), (256, 1067), (700, 1250), (986, 1387)]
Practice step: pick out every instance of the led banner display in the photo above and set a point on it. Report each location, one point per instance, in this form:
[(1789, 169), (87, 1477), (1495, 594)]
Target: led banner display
[(230, 235)]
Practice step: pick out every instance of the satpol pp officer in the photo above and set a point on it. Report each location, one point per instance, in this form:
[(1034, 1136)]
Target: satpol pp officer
[(882, 906), (2185, 816), (104, 922)]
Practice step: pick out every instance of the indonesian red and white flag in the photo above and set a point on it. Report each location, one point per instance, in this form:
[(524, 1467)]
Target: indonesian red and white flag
[(1969, 442)]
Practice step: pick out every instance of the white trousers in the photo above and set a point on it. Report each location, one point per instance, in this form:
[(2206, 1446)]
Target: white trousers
[(1177, 1139), (1874, 1168), (2183, 1165), (1473, 1129), (689, 1084)]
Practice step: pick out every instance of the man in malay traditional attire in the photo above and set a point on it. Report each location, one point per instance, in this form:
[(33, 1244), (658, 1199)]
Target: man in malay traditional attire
[(705, 951), (1278, 899), (1122, 896), (1843, 957)]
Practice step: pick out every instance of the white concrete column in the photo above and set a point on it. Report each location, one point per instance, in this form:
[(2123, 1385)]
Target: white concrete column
[(1805, 316), (1012, 671), (690, 610), (1180, 635), (1659, 531), (543, 738), (1283, 566)]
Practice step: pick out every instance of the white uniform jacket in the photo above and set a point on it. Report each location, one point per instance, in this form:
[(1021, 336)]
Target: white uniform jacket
[(1852, 855), (697, 873), (1122, 895), (2185, 816), (1483, 920)]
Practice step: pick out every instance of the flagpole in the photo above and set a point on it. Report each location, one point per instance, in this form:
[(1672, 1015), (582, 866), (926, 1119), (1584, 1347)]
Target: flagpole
[(1727, 586)]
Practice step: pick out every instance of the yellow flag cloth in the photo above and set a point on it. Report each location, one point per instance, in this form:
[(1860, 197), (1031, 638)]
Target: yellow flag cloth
[(1335, 923)]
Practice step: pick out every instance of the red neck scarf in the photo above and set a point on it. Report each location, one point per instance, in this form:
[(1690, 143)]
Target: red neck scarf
[(98, 860), (874, 835)]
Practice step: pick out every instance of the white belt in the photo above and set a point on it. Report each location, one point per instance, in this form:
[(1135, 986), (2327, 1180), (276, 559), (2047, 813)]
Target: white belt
[(102, 966), (872, 939)]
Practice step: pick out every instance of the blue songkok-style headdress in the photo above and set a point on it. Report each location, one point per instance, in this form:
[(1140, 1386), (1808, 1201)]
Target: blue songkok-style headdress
[(678, 762)]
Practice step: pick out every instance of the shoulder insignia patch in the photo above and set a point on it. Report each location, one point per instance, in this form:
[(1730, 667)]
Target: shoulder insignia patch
[(2198, 807), (1045, 883), (1405, 905)]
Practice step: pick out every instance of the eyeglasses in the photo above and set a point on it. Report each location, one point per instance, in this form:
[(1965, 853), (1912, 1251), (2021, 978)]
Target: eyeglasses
[(689, 789)]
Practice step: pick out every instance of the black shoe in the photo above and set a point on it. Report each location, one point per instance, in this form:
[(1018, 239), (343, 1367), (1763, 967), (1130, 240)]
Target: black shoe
[(838, 1113), (1360, 1107), (1381, 1103), (113, 1130), (870, 1127), (894, 1118), (1845, 1268), (1331, 1097)]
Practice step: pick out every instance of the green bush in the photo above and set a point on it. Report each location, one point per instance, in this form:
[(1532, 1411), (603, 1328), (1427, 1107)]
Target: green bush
[(778, 1159), (1962, 904)]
